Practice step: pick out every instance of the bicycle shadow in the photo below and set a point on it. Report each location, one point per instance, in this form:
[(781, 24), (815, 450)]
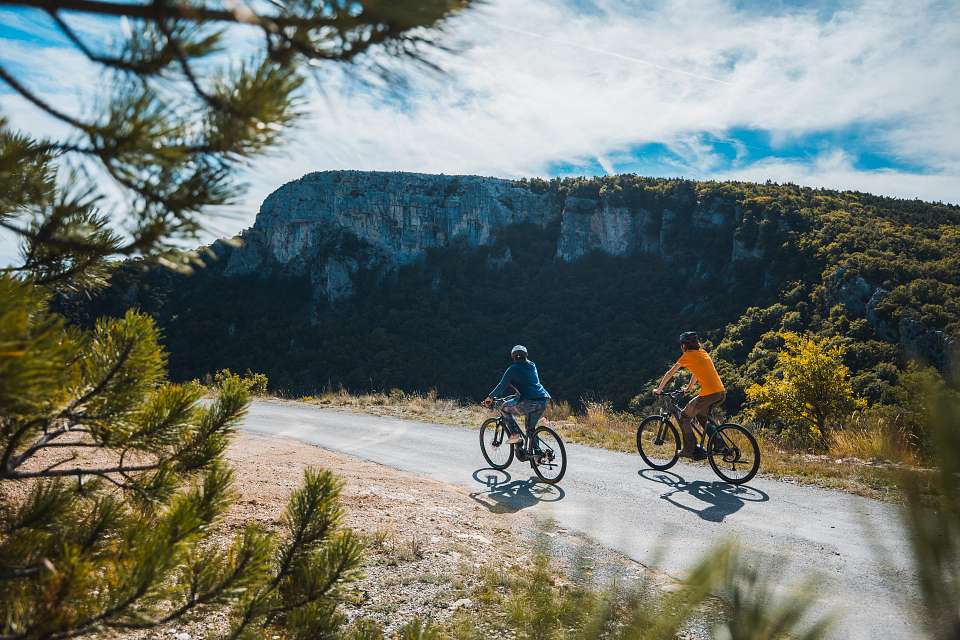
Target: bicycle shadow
[(503, 494), (723, 499)]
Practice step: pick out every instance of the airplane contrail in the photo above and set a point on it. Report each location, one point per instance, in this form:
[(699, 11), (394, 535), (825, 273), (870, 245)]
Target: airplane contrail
[(612, 54)]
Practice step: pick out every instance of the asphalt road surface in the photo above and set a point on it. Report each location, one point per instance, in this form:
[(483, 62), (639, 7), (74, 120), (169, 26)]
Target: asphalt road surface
[(614, 499)]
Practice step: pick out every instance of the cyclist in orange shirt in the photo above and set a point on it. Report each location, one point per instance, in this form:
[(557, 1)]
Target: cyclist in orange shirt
[(712, 391)]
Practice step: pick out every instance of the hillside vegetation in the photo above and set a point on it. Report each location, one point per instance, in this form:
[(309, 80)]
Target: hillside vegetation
[(877, 278)]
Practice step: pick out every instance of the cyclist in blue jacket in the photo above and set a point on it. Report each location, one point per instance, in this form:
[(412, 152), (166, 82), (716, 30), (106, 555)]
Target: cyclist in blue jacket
[(531, 401)]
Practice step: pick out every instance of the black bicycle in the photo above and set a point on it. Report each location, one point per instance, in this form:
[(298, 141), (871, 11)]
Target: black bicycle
[(543, 449), (732, 450)]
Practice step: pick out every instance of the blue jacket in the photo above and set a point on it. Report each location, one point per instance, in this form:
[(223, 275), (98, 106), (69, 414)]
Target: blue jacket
[(523, 377)]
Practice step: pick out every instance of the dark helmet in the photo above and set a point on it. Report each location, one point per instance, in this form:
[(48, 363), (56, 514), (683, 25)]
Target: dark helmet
[(519, 352), (689, 339)]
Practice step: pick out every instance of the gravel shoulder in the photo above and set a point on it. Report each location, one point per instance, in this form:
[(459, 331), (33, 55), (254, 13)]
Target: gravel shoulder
[(430, 544)]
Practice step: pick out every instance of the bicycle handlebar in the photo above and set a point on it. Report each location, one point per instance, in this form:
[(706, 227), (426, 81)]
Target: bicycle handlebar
[(497, 402)]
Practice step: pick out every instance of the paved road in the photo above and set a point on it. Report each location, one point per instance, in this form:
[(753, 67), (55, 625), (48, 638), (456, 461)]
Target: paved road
[(613, 499)]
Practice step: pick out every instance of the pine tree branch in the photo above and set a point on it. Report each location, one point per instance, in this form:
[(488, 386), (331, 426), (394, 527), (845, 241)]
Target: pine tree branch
[(21, 572), (100, 386), (92, 445), (64, 461), (60, 473), (187, 12), (5, 466), (39, 103), (42, 443), (193, 601), (213, 101), (344, 562), (84, 626), (290, 552), (52, 241), (107, 61), (104, 152), (67, 274), (250, 613)]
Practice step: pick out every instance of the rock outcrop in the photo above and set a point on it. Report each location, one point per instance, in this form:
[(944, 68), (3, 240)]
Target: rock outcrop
[(918, 341), (391, 219), (327, 226), (400, 215)]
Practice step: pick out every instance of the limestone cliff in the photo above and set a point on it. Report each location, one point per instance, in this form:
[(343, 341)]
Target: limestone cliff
[(329, 225), (393, 217)]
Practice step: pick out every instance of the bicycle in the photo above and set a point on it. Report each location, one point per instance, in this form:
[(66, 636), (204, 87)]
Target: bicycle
[(728, 445), (543, 448)]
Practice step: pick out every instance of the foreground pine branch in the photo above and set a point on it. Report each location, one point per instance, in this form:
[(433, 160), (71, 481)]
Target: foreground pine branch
[(175, 120), (112, 482)]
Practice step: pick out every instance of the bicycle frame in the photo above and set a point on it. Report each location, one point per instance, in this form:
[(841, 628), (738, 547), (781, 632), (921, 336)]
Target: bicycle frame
[(525, 446), (671, 408), (724, 443)]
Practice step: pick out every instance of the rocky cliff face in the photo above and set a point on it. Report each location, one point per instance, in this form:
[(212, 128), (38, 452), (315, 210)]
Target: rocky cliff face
[(330, 225), (589, 225), (392, 218), (865, 300)]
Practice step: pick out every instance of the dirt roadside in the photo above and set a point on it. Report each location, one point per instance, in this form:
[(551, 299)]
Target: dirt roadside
[(430, 543), (433, 549)]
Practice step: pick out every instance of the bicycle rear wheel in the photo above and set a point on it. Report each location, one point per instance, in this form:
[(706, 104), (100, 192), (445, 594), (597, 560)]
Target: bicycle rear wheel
[(493, 443), (550, 457), (658, 442), (734, 453)]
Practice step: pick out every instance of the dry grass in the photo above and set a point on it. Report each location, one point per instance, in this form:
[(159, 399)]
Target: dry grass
[(871, 445), (400, 404), (872, 437), (600, 426), (558, 410), (872, 481)]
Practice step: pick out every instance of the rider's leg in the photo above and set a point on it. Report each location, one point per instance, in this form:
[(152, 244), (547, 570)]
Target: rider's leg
[(536, 411), (714, 400), (697, 409), (691, 448), (508, 411)]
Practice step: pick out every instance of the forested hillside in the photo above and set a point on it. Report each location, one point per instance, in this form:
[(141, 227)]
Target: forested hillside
[(878, 275)]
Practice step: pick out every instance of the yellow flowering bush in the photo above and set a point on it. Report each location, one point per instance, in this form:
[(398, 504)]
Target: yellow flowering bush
[(807, 394)]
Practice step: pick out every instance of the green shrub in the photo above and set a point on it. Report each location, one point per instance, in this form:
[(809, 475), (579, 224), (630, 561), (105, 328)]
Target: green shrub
[(808, 393), (256, 383)]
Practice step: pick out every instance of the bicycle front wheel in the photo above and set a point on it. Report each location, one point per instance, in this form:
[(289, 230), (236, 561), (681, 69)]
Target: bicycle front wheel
[(493, 443), (734, 453), (549, 456), (658, 442)]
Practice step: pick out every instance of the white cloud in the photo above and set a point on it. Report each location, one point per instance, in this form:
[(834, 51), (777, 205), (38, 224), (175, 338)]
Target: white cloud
[(835, 170), (589, 86)]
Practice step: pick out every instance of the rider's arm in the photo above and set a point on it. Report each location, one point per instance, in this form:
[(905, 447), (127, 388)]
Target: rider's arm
[(666, 378), (501, 388), (693, 381)]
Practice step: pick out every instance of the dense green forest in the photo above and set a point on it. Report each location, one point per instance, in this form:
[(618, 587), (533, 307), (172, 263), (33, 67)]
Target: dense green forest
[(879, 275)]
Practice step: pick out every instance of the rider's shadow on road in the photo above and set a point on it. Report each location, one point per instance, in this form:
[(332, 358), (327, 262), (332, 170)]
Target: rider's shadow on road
[(503, 494), (722, 499)]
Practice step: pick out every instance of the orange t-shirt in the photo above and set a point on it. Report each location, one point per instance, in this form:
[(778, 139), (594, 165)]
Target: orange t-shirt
[(700, 365)]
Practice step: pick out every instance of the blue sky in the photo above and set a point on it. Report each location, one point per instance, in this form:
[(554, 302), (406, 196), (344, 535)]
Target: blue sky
[(859, 95), (744, 147)]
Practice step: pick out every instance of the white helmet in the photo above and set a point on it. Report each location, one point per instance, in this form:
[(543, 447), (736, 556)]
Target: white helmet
[(519, 348)]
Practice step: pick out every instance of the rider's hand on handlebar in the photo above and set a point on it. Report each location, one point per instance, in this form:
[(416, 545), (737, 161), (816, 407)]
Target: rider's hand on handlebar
[(487, 402), (657, 391)]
